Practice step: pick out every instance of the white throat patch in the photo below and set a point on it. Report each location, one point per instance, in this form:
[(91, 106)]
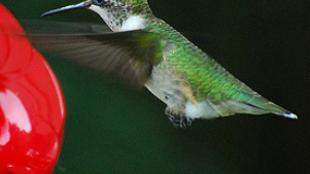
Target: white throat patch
[(133, 23)]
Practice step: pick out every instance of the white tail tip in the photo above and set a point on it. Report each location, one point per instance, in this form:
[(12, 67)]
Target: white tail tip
[(290, 115)]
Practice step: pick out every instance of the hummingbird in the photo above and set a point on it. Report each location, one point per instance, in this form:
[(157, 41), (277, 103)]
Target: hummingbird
[(145, 51)]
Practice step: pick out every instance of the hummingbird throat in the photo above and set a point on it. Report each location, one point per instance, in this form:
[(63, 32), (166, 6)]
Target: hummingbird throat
[(120, 18)]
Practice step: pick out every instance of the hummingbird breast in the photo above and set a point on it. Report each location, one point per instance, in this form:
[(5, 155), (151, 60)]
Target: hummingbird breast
[(165, 84), (171, 88)]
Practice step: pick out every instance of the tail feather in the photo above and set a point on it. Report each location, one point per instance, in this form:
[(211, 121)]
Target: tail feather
[(256, 106), (270, 107), (290, 115)]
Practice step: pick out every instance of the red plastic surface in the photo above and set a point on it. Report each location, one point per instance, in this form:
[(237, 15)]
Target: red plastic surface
[(32, 111)]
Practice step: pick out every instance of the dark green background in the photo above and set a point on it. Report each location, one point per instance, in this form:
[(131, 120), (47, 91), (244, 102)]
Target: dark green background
[(113, 129)]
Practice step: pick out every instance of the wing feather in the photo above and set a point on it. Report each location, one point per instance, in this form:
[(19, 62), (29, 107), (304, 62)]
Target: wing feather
[(129, 55)]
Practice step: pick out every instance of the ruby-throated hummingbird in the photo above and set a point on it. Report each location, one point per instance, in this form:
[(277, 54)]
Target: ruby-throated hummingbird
[(146, 51)]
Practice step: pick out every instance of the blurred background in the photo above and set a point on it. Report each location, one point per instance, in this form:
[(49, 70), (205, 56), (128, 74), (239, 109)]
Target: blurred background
[(113, 129)]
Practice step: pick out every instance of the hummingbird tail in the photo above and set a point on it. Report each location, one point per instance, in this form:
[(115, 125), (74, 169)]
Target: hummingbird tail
[(255, 106), (270, 107), (290, 115)]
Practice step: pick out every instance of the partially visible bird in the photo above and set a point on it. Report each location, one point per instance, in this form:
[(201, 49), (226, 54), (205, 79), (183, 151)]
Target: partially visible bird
[(146, 51)]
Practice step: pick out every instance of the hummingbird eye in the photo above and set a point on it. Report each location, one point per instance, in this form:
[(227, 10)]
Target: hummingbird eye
[(99, 2)]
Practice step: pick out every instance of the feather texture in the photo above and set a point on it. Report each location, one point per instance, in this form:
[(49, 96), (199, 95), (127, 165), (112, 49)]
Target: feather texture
[(129, 55)]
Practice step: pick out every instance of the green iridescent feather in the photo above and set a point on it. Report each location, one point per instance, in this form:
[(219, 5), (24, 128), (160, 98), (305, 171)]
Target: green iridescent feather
[(207, 79), (138, 6)]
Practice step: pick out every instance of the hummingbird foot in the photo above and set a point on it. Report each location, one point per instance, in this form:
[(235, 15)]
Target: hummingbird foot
[(178, 120)]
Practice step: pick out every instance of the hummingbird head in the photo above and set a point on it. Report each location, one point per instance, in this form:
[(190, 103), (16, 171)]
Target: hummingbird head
[(119, 15)]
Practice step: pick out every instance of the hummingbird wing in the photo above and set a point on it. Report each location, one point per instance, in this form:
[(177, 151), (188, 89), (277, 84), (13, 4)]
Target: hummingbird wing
[(56, 27), (129, 55)]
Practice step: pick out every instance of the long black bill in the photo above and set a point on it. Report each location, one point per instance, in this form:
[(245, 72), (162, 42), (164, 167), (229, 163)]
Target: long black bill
[(68, 8)]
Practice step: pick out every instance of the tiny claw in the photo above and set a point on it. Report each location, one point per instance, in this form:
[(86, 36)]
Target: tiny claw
[(178, 120)]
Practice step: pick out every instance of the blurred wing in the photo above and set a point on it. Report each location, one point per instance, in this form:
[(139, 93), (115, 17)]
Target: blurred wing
[(55, 27), (130, 55)]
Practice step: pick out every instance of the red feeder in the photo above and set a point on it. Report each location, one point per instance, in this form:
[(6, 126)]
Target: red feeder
[(32, 111)]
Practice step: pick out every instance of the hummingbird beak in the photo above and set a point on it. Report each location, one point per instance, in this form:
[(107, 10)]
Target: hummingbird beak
[(68, 8)]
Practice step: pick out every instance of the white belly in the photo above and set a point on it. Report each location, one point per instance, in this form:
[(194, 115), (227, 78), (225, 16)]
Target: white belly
[(200, 110)]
